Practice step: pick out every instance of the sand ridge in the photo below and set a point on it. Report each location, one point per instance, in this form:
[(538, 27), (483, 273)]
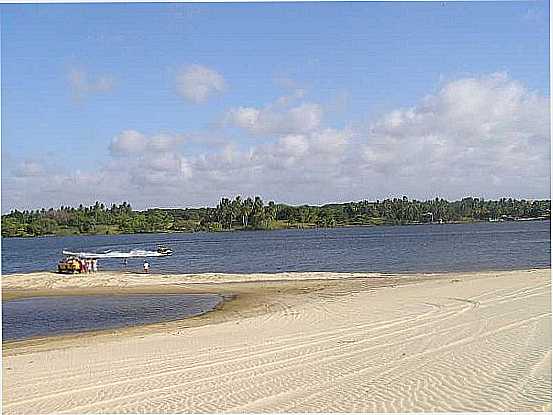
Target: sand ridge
[(51, 280), (469, 342)]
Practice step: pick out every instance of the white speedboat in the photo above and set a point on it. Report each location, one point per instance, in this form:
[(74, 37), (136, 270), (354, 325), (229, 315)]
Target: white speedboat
[(163, 250)]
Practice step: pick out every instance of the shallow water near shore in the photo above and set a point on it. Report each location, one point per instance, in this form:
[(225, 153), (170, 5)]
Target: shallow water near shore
[(383, 249), (46, 316)]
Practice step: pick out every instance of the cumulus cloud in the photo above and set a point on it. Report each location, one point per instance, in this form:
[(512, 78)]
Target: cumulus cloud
[(163, 142), (159, 171), (274, 119), (472, 130), (83, 85), (486, 136), (128, 142), (132, 142), (293, 145), (326, 147), (29, 168), (149, 161), (480, 136), (197, 83)]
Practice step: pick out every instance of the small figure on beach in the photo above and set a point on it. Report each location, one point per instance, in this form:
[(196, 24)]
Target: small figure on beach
[(94, 265), (125, 263), (146, 267), (82, 262)]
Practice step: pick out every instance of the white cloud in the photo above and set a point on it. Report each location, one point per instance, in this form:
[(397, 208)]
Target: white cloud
[(274, 119), (471, 130), (82, 85), (244, 117), (128, 142), (330, 142), (159, 172), (164, 142), (319, 157), (154, 161), (132, 142), (324, 147), (198, 83), (293, 145), (482, 136), (29, 168)]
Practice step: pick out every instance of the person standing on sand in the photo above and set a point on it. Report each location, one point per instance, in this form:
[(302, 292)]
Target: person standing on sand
[(146, 267), (94, 265)]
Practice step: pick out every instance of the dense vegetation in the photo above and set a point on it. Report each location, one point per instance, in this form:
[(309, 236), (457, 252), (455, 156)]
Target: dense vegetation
[(254, 214)]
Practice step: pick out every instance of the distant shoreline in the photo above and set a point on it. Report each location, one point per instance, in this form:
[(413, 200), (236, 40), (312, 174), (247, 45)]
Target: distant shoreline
[(253, 214), (291, 227)]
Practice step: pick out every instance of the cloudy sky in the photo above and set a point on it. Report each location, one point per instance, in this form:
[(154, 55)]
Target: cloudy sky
[(171, 105)]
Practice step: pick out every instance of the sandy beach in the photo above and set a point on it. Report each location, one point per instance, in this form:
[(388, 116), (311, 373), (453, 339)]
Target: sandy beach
[(303, 342)]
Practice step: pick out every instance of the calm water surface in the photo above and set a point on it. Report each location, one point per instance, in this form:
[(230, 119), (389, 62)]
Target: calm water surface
[(387, 249), (41, 316), (414, 248)]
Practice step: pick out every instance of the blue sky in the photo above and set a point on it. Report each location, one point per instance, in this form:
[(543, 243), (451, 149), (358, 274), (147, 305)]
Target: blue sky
[(77, 76)]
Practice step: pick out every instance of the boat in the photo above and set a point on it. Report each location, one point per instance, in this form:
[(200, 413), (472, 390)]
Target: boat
[(84, 255), (135, 253), (69, 265), (163, 250)]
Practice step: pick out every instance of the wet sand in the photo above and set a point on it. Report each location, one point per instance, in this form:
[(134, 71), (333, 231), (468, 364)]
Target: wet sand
[(304, 342)]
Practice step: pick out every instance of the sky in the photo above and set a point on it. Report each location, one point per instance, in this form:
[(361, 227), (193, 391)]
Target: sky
[(180, 104)]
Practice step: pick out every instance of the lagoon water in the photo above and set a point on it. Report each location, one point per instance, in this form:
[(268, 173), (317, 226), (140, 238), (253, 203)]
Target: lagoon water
[(42, 316), (387, 249)]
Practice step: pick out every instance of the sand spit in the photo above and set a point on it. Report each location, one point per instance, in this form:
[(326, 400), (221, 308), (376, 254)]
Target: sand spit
[(51, 280), (464, 342)]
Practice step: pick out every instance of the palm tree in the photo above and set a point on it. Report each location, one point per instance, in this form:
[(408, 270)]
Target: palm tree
[(237, 208), (247, 209), (224, 213), (258, 212), (270, 215)]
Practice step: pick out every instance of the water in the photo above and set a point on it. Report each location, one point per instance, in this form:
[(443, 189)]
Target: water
[(42, 316), (388, 249)]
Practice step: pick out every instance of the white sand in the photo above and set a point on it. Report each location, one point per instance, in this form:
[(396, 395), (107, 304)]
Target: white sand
[(474, 342), (51, 280)]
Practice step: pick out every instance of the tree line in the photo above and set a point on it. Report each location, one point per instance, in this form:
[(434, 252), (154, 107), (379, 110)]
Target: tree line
[(252, 213)]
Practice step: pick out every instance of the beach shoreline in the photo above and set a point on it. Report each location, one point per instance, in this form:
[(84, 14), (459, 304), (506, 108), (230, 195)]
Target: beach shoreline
[(244, 295), (280, 344)]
